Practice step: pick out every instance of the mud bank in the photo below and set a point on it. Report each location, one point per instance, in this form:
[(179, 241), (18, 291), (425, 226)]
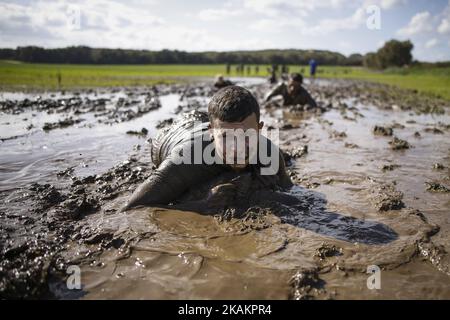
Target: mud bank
[(358, 201)]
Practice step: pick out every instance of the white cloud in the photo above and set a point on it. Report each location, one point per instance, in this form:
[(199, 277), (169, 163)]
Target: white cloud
[(100, 22), (352, 22), (444, 26), (322, 27), (384, 4), (388, 4), (218, 14), (276, 25), (322, 24), (285, 8), (419, 23), (107, 24), (431, 43)]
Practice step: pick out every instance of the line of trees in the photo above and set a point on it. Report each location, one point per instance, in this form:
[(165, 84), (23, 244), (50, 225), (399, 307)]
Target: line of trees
[(394, 53), (87, 55)]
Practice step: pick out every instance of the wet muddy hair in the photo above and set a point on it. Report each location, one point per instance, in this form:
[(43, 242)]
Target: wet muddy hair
[(296, 77), (232, 104)]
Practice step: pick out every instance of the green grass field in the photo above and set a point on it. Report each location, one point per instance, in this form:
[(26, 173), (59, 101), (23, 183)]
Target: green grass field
[(432, 81), (23, 76)]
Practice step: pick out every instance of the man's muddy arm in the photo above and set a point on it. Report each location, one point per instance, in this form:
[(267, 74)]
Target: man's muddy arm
[(170, 181), (281, 177), (285, 180), (162, 187), (309, 99), (274, 92)]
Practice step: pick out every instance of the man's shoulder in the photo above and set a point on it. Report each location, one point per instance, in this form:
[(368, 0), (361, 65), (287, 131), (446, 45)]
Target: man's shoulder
[(270, 145), (281, 84)]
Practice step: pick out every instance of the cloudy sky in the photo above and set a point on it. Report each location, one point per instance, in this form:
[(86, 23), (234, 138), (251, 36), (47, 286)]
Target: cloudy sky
[(198, 25)]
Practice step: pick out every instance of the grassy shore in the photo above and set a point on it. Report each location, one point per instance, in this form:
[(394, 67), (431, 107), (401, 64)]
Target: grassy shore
[(432, 81), (17, 76)]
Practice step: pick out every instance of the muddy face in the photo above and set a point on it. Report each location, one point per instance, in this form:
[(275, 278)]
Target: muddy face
[(236, 142), (59, 204), (294, 87)]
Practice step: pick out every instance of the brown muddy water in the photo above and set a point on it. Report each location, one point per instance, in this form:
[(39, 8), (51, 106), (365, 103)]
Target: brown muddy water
[(371, 174)]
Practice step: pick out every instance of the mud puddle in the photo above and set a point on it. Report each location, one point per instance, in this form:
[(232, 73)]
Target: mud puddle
[(359, 203)]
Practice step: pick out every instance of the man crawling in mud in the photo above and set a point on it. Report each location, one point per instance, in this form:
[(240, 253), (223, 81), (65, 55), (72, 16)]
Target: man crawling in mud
[(232, 110), (293, 93)]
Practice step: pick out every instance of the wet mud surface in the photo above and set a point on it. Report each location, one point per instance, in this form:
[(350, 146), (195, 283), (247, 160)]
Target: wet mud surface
[(371, 169)]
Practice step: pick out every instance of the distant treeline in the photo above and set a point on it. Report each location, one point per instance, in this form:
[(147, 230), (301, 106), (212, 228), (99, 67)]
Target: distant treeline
[(87, 55), (394, 53)]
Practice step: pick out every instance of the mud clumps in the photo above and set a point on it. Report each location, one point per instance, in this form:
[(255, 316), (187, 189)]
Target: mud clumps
[(436, 187), (295, 153), (326, 251), (66, 173), (382, 131), (434, 254), (338, 134), (305, 181), (307, 285), (47, 194), (164, 123), (391, 98), (386, 198), (254, 218), (137, 102), (103, 239), (77, 207), (24, 269), (142, 132), (399, 144), (389, 167), (434, 130), (32, 253), (60, 124), (351, 145), (438, 166), (288, 126)]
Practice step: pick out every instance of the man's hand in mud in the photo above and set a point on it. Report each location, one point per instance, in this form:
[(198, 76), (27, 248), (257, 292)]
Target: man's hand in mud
[(222, 195)]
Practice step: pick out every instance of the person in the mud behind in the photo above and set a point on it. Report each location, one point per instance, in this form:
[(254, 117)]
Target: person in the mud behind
[(293, 93), (221, 82), (230, 108)]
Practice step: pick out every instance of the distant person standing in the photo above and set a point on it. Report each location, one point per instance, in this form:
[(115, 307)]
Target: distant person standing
[(284, 72), (59, 79), (249, 70), (256, 69), (272, 75), (228, 68), (312, 68)]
